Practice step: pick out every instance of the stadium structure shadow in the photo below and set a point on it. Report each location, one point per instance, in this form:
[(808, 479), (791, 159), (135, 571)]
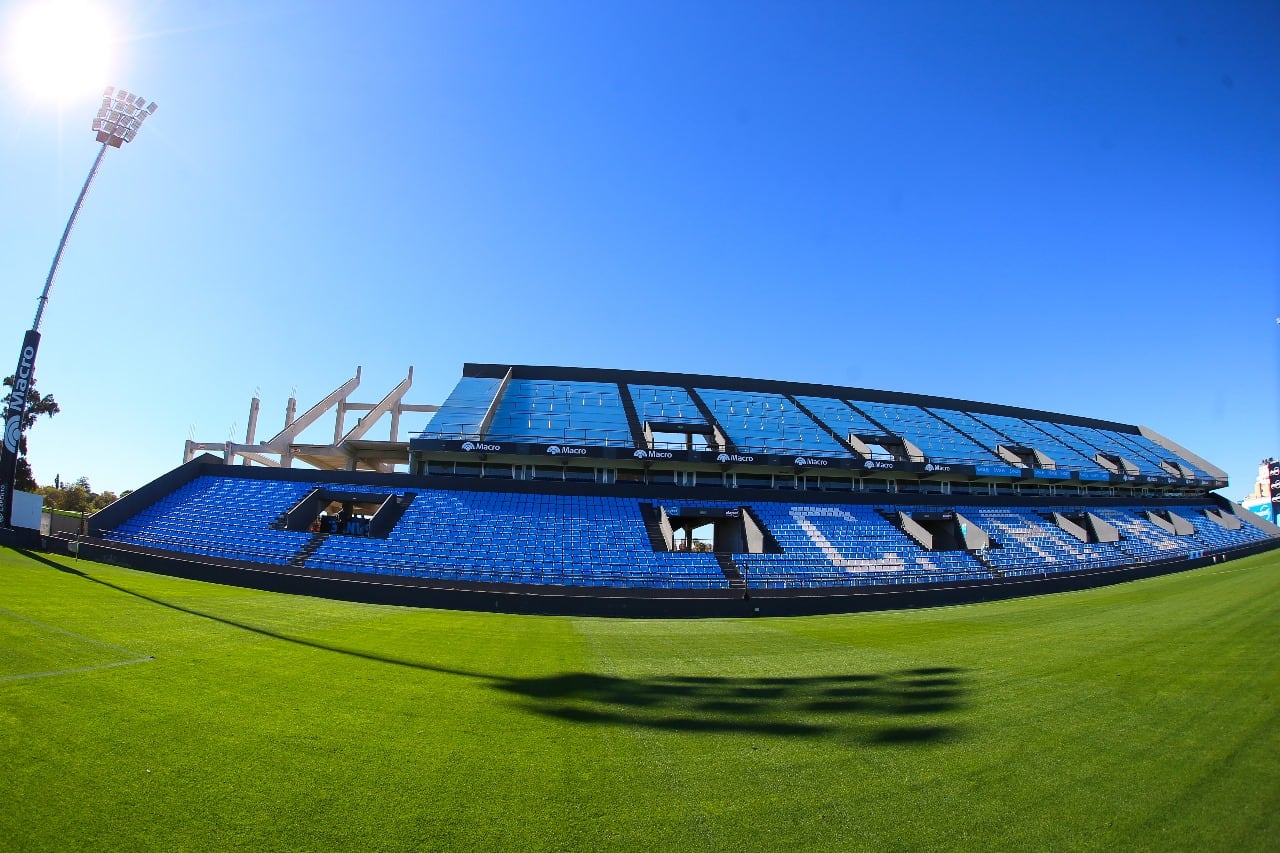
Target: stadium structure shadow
[(893, 707)]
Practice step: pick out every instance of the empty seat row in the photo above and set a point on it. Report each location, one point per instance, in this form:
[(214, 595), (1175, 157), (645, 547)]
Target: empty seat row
[(498, 537)]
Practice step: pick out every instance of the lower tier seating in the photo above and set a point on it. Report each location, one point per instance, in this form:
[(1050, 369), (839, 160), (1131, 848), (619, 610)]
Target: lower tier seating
[(581, 541)]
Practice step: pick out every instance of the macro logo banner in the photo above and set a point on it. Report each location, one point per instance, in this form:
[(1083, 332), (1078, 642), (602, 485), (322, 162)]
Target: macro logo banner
[(1273, 472), (15, 406)]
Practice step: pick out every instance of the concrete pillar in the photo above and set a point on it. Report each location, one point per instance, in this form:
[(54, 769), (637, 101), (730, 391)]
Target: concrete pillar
[(252, 429), (916, 531), (974, 537), (1102, 530), (1071, 527)]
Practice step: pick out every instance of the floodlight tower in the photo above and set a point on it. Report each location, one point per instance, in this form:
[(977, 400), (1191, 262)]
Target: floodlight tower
[(117, 122)]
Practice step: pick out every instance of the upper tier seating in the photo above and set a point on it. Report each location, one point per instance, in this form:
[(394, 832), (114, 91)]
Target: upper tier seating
[(539, 411), (1023, 434), (1071, 440), (840, 417), (547, 411), (769, 423), (461, 415), (665, 404), (1143, 451), (1142, 444), (939, 441), (972, 427), (1106, 441)]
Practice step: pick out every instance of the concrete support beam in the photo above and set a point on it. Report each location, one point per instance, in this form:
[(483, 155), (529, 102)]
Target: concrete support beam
[(387, 404), (1223, 519), (349, 450), (1071, 527), (973, 536), (916, 531), (1009, 456), (1102, 530), (1163, 523), (1251, 518), (294, 427)]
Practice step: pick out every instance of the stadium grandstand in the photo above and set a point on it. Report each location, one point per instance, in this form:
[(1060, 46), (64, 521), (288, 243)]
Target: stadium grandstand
[(581, 490)]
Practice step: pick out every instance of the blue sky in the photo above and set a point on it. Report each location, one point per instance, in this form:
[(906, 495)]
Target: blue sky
[(1073, 207)]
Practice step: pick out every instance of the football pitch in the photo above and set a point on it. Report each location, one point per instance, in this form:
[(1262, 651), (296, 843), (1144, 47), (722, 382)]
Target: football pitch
[(144, 712)]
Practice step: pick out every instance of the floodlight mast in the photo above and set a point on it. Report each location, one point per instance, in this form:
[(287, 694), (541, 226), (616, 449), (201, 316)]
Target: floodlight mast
[(117, 122)]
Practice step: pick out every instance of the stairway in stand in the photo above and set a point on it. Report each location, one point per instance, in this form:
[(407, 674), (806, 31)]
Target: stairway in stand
[(299, 560), (653, 526), (986, 563), (732, 573)]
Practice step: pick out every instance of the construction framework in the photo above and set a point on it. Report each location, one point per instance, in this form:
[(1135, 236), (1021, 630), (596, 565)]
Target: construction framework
[(350, 450)]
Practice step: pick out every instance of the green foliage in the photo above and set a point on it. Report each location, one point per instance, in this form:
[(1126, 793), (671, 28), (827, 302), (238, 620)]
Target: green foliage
[(36, 406), (77, 497), (145, 712), (24, 478)]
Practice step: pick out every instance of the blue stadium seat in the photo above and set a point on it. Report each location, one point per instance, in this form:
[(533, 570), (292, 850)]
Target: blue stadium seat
[(594, 541)]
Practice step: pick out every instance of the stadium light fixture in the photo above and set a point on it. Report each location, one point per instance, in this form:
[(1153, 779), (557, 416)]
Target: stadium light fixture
[(116, 122), (121, 116)]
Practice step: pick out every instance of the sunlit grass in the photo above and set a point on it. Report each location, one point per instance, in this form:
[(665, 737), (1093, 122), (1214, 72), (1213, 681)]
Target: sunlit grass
[(1140, 715)]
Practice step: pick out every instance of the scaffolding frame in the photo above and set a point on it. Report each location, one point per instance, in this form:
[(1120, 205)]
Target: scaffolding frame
[(350, 450)]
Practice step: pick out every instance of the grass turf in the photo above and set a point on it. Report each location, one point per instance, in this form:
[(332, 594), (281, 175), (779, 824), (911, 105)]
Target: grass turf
[(140, 711)]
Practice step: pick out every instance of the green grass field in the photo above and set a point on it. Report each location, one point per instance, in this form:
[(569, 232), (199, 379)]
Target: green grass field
[(144, 712)]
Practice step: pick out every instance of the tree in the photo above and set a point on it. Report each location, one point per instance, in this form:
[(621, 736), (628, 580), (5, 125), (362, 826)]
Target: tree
[(36, 406), (77, 496)]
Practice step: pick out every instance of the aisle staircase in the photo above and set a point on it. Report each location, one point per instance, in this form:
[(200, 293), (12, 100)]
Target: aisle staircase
[(299, 560), (732, 572)]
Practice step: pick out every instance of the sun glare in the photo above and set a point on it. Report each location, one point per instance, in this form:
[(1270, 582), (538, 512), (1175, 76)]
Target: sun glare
[(61, 49)]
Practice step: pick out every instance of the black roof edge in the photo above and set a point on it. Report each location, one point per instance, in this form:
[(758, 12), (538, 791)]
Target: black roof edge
[(735, 383)]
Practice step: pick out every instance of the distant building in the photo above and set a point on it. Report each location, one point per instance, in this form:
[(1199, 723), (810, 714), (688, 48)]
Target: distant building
[(1265, 497)]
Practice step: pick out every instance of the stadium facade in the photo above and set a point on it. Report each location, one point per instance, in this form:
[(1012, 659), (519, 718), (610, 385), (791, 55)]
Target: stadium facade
[(582, 490)]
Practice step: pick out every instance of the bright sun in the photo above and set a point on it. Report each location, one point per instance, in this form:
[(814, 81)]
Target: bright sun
[(60, 49)]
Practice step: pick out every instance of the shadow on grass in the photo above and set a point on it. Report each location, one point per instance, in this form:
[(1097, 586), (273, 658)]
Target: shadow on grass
[(892, 708), (877, 708)]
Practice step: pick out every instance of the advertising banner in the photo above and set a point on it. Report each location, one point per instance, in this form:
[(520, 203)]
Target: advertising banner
[(703, 512), (568, 453), (15, 405), (808, 463), (1273, 472)]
